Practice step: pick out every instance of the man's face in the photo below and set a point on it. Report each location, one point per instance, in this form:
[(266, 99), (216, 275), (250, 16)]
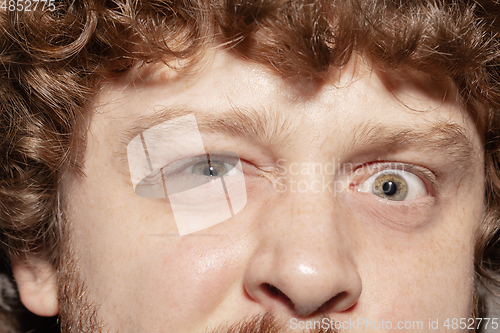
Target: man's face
[(362, 197)]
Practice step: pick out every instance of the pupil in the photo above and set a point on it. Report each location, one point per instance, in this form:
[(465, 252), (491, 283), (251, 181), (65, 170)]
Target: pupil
[(210, 171), (389, 188)]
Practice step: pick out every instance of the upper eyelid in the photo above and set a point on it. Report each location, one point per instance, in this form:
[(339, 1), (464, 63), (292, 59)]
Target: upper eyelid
[(185, 162)]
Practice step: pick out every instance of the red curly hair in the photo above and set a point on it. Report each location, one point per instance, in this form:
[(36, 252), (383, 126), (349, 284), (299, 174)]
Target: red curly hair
[(53, 62)]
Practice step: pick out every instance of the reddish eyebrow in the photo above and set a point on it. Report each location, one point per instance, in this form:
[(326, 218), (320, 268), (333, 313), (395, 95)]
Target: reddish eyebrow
[(269, 127), (445, 138)]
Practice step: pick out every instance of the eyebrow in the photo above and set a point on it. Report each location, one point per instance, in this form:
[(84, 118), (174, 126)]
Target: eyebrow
[(270, 127), (446, 138), (274, 128)]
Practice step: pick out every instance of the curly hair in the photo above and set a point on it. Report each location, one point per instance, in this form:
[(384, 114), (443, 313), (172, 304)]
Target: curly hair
[(53, 62)]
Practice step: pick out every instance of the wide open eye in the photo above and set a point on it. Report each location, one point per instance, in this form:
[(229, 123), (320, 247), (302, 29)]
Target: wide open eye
[(396, 185)]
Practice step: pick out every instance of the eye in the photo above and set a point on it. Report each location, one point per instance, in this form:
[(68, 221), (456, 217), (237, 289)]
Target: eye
[(216, 164), (395, 185), (189, 173), (211, 168)]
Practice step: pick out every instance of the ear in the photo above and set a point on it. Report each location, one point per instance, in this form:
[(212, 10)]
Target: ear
[(37, 284)]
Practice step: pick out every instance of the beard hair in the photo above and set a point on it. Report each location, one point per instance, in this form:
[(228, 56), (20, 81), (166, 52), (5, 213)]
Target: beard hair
[(267, 323), (76, 312)]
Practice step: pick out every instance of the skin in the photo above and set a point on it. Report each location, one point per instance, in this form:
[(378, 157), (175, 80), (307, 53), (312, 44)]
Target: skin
[(344, 254)]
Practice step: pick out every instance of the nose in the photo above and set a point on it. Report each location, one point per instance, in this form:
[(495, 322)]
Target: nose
[(303, 263)]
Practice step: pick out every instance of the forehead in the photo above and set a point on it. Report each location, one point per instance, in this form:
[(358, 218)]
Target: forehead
[(217, 72), (355, 97)]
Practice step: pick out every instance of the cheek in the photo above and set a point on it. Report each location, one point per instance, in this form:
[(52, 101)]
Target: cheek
[(184, 280), (418, 268), (417, 276), (139, 270)]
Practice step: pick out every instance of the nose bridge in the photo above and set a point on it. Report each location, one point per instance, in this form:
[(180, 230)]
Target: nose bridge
[(308, 205), (321, 178), (305, 214), (315, 235), (304, 263)]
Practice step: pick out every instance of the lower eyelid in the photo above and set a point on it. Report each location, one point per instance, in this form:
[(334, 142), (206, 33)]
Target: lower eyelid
[(402, 214)]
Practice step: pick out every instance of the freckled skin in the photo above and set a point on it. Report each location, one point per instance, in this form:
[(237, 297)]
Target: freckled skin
[(389, 262)]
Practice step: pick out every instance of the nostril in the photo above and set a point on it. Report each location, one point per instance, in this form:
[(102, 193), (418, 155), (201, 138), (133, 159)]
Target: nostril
[(331, 302), (275, 293), (301, 288), (273, 290)]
